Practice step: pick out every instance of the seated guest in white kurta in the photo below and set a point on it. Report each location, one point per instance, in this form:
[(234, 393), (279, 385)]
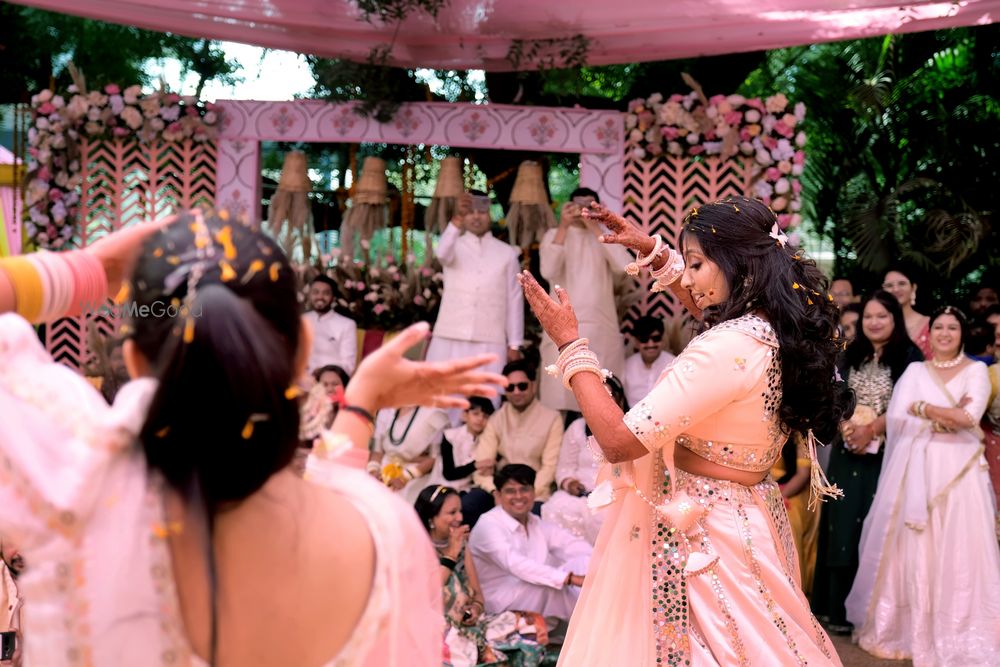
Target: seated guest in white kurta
[(576, 476), (457, 462), (643, 368), (335, 337), (482, 306), (526, 563), (405, 445)]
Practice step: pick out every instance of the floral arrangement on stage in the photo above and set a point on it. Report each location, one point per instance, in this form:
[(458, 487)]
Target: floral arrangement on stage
[(386, 294), (61, 122), (764, 131)]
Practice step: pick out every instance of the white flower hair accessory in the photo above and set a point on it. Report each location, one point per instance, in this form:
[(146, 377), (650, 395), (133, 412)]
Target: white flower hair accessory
[(779, 236)]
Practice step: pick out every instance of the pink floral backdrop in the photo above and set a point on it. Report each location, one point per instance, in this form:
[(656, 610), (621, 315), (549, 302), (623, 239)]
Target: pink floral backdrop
[(103, 159)]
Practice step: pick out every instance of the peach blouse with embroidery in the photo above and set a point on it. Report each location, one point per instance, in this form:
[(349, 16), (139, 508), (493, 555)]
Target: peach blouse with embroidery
[(748, 437)]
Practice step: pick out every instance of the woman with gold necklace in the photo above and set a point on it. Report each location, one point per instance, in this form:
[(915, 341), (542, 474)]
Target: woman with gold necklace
[(928, 584)]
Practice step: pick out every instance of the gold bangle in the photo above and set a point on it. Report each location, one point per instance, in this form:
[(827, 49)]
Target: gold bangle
[(27, 285)]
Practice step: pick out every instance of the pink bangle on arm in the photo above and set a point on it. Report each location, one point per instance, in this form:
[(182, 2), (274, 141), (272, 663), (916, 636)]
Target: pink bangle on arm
[(90, 284)]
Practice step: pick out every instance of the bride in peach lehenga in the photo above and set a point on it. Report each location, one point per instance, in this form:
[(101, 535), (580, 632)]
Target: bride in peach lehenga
[(695, 564)]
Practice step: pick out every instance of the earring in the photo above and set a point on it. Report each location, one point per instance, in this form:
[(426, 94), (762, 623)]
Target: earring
[(913, 299)]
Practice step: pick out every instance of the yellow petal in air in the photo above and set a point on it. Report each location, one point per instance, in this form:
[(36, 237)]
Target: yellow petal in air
[(228, 272), (247, 429), (189, 330)]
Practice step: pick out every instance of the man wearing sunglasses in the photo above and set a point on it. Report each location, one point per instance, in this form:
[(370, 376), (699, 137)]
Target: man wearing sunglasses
[(521, 431), (643, 368), (482, 306)]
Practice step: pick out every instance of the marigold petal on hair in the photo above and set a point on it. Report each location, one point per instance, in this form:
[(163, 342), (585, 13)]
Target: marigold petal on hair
[(273, 271), (225, 238), (256, 266)]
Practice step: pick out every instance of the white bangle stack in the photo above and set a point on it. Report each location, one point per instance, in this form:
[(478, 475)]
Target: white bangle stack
[(632, 268), (576, 358), (669, 273)]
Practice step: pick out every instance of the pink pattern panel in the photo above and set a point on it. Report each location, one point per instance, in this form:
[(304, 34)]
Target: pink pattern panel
[(660, 192), (127, 182), (598, 136)]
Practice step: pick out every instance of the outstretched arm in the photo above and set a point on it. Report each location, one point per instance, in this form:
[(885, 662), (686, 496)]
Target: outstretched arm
[(388, 379), (598, 408)]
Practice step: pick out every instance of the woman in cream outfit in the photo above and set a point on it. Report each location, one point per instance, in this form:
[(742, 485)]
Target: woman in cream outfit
[(168, 528), (928, 584), (695, 564)]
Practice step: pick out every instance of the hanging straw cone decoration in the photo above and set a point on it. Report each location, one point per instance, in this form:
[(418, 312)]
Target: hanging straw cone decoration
[(369, 209), (444, 204), (290, 213), (530, 213), (447, 192)]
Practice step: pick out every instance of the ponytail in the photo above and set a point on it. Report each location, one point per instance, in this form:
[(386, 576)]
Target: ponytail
[(220, 420)]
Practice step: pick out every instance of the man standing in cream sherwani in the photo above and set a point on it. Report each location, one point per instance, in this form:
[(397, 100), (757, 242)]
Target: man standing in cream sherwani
[(482, 307), (590, 285)]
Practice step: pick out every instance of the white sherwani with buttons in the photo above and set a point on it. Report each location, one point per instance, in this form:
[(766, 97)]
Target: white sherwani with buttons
[(482, 307), (586, 269)]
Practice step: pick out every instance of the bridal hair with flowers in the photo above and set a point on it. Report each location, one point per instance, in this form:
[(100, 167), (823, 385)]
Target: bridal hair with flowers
[(769, 275)]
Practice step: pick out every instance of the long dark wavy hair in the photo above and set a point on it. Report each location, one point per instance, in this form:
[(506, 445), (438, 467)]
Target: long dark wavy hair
[(767, 274), (214, 311), (898, 351)]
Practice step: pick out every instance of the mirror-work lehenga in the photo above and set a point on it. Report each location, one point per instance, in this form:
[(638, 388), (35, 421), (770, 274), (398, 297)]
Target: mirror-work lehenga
[(711, 577)]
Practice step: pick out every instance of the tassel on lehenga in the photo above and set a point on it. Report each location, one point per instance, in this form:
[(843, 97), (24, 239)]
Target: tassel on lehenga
[(820, 487)]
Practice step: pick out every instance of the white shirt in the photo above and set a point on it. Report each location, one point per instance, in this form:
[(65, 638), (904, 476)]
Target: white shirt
[(463, 445), (576, 458), (639, 380), (587, 269), (513, 561), (335, 341), (482, 300)]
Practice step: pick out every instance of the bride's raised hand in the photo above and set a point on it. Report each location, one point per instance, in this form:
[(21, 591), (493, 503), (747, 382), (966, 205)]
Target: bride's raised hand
[(556, 317), (387, 379), (620, 230)]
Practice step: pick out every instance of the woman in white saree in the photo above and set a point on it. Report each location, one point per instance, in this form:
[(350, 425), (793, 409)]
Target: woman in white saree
[(928, 585)]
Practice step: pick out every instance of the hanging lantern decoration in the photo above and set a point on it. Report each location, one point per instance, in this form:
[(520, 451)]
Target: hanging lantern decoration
[(447, 192), (290, 213), (369, 209), (530, 213)]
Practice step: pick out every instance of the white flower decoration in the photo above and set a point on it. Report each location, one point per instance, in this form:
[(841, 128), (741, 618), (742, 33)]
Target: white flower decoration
[(778, 235)]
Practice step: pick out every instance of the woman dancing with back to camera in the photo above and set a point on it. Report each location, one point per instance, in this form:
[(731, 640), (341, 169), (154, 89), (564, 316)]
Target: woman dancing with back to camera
[(695, 564), (168, 528)]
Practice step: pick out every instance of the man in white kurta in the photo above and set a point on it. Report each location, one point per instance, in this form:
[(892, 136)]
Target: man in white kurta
[(482, 306), (589, 279), (643, 368), (335, 337), (525, 563)]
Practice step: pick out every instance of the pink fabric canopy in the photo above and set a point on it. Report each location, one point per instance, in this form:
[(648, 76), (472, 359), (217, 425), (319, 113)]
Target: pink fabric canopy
[(477, 34)]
